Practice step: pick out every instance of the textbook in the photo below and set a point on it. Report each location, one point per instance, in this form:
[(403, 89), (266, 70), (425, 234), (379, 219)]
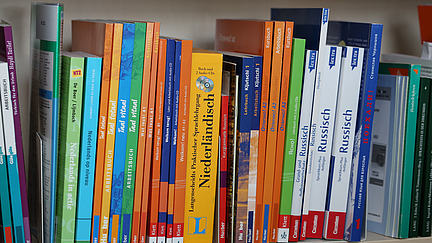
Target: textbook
[(90, 114), (387, 154), (342, 148), (71, 92), (46, 31), (7, 54), (205, 95)]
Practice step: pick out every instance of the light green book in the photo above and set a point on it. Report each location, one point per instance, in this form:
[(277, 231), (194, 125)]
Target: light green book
[(69, 145), (410, 199), (292, 122)]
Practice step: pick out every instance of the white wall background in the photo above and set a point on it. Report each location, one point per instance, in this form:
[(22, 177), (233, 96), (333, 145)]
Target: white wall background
[(194, 19)]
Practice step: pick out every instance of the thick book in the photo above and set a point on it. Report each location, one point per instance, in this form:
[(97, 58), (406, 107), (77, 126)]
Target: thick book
[(205, 96), (368, 36), (386, 155), (5, 200), (121, 130), (291, 110), (7, 54), (46, 32), (89, 125), (182, 141), (411, 177), (71, 91), (261, 34), (342, 148), (310, 24), (97, 38), (132, 131), (305, 118)]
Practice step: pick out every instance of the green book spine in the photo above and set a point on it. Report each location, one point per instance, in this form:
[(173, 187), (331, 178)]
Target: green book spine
[(132, 133), (69, 143), (292, 121), (424, 154)]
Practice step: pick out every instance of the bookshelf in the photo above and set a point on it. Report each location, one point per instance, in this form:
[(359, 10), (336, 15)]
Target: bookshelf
[(195, 20)]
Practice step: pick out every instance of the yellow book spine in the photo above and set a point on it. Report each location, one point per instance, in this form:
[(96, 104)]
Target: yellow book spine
[(204, 116), (111, 126)]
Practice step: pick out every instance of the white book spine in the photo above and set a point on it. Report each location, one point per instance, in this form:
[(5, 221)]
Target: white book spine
[(341, 159)]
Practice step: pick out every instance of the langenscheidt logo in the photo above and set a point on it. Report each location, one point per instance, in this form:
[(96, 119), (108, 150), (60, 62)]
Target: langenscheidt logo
[(205, 84), (197, 225)]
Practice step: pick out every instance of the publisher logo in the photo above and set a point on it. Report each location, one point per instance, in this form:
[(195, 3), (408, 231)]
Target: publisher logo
[(76, 73), (197, 225), (332, 57), (354, 60), (205, 84), (312, 60)]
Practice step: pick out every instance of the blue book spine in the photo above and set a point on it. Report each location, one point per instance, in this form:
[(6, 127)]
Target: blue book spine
[(255, 124), (166, 141), (5, 204), (121, 133), (92, 82), (364, 131)]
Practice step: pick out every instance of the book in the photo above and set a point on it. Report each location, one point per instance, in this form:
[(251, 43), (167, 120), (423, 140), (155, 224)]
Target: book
[(111, 132), (7, 234), (71, 93), (342, 148), (157, 147), (243, 31), (421, 148), (182, 141), (90, 114), (46, 32), (100, 34), (205, 95), (291, 112), (121, 130), (310, 24), (387, 144), (368, 36), (424, 16), (7, 54), (132, 131), (411, 179), (302, 147)]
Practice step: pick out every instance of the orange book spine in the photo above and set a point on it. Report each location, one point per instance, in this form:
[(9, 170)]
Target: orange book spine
[(110, 135), (273, 115), (280, 149), (150, 133), (182, 141), (103, 111), (157, 147), (145, 93), (265, 87)]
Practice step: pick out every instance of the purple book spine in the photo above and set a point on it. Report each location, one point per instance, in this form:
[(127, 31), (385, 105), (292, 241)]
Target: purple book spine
[(10, 56)]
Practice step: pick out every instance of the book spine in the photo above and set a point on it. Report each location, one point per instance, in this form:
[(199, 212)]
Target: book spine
[(424, 153), (290, 125), (157, 147), (254, 144), (166, 141), (262, 140), (173, 152), (281, 128), (328, 83), (145, 199), (223, 168), (354, 226), (121, 128), (302, 147), (69, 145), (10, 58), (341, 155), (5, 200), (182, 141), (101, 135), (273, 106), (132, 132), (202, 147), (145, 121), (49, 40), (111, 132), (92, 72)]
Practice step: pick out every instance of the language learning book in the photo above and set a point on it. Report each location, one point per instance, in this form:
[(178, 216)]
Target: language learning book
[(46, 31)]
